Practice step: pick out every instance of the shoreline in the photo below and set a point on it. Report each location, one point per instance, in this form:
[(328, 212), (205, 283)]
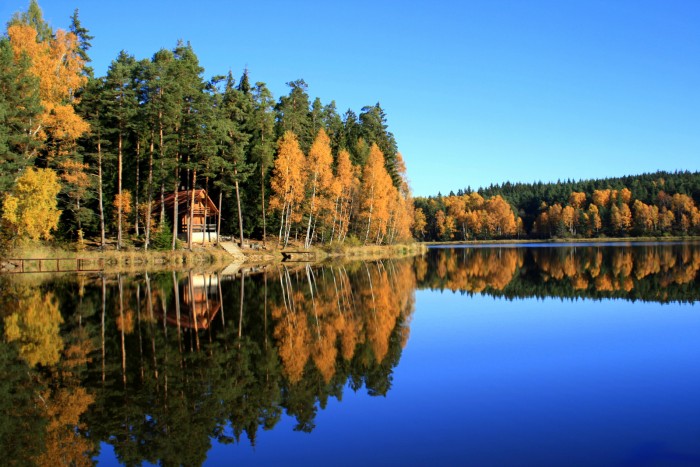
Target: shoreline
[(207, 257)]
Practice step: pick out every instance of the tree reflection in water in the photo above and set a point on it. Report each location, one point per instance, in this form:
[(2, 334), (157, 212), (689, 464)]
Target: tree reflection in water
[(657, 272), (162, 365)]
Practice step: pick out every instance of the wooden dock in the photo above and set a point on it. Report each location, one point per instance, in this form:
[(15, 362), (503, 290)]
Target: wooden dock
[(302, 256), (35, 265)]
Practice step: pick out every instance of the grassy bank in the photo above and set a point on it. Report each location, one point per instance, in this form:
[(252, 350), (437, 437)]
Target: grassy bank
[(204, 257), (126, 260)]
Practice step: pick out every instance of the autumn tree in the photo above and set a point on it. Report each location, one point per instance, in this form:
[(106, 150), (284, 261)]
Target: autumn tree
[(288, 184), (376, 193), (643, 221), (58, 67), (320, 182), (345, 191), (30, 209), (419, 224)]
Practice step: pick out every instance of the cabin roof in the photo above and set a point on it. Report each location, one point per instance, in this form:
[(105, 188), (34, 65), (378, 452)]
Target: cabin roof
[(183, 198)]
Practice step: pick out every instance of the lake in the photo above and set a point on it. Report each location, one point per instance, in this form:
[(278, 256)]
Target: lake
[(579, 354)]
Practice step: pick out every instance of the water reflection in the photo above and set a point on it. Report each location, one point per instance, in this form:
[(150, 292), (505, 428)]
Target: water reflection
[(163, 366), (160, 366), (657, 272)]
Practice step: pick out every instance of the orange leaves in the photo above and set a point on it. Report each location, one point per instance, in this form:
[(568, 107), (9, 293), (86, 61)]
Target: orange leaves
[(58, 67), (377, 193), (471, 215), (577, 199), (288, 174), (320, 181)]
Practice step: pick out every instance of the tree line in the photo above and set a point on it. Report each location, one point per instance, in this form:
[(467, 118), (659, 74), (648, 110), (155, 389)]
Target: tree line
[(657, 204), (111, 148)]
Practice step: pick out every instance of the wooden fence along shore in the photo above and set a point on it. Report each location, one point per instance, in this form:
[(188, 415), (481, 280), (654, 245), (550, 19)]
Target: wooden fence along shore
[(34, 265)]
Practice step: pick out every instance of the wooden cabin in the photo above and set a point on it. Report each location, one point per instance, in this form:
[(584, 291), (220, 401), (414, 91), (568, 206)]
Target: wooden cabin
[(205, 215)]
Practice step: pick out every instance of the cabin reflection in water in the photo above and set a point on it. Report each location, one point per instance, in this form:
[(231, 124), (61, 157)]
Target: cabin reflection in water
[(197, 302)]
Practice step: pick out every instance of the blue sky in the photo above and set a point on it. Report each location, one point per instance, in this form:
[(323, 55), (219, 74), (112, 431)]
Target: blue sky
[(476, 92)]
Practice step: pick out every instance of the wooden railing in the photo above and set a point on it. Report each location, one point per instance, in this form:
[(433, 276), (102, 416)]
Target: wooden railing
[(31, 265), (203, 228)]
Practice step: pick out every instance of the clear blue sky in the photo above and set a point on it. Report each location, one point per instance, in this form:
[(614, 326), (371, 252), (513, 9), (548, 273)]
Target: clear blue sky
[(476, 92)]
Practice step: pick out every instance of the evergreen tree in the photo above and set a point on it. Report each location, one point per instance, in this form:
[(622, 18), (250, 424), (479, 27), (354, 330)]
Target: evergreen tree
[(262, 142), (236, 108), (293, 114), (19, 105), (121, 108)]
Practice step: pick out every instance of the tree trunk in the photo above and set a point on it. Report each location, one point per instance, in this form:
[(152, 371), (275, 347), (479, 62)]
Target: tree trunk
[(119, 190), (307, 242), (150, 195), (191, 216), (218, 220), (175, 204), (136, 193), (99, 191), (262, 191), (371, 206), (161, 149), (240, 216), (205, 231)]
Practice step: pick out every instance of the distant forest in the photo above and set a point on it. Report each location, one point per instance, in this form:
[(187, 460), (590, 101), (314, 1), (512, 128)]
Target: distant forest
[(655, 204), (85, 156)]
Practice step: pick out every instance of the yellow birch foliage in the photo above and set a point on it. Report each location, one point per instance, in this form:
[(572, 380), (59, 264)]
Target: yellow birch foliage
[(402, 215), (287, 180), (577, 199), (58, 66), (344, 189), (500, 220), (594, 219), (419, 223), (601, 198), (376, 192), (320, 175), (30, 210)]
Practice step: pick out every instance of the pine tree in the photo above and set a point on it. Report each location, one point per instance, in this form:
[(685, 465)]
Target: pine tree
[(19, 105), (121, 108), (293, 114), (262, 141), (237, 107)]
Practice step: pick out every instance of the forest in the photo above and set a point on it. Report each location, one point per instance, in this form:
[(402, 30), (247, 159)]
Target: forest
[(87, 158), (656, 204)]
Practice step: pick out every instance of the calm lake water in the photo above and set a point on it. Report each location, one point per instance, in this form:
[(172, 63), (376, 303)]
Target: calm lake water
[(509, 355)]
